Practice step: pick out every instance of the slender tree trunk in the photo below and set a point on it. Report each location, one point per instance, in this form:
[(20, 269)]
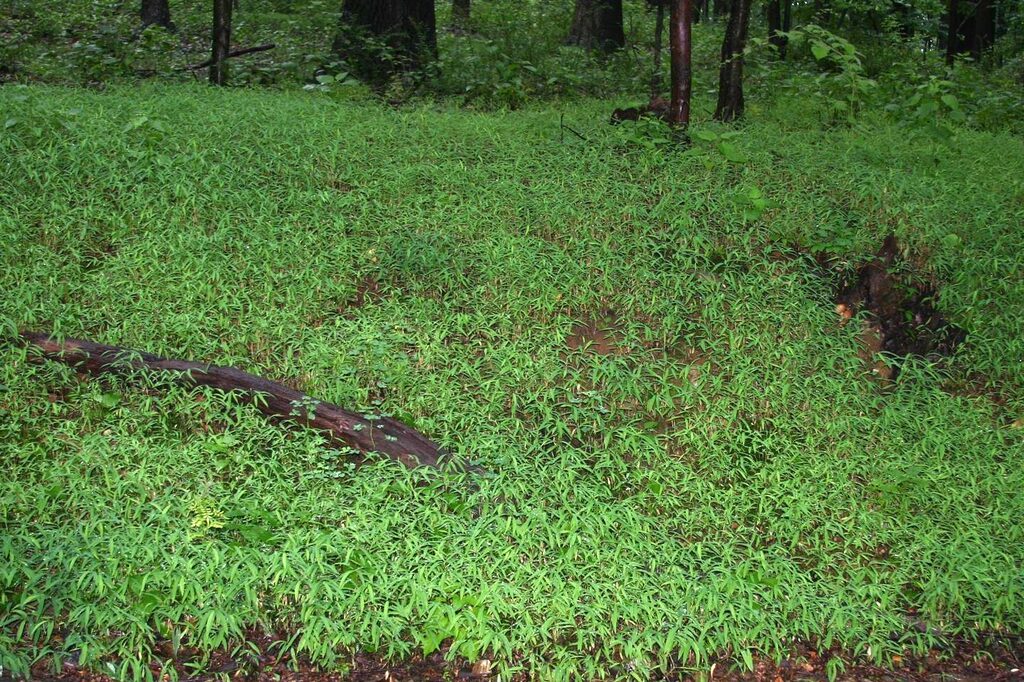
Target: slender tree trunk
[(774, 10), (460, 13), (156, 12), (730, 74), (407, 28), (659, 28), (221, 42), (597, 25), (952, 35), (719, 7), (984, 28), (680, 46)]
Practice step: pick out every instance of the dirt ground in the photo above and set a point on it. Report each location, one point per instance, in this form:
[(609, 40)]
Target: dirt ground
[(969, 663)]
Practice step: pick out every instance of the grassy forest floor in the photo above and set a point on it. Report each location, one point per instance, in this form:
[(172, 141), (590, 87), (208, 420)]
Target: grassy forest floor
[(692, 464)]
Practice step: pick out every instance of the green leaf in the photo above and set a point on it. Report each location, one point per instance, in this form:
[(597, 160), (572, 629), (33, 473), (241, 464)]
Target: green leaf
[(108, 400), (325, 79), (731, 152), (254, 534), (135, 123), (752, 213), (705, 135), (10, 123), (748, 659), (819, 50), (951, 102)]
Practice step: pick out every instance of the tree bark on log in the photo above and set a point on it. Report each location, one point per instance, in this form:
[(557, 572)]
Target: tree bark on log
[(343, 428)]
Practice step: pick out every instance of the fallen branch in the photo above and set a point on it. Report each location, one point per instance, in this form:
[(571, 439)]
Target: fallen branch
[(234, 53), (384, 435)]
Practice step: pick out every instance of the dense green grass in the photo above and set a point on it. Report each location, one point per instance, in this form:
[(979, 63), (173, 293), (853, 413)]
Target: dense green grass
[(727, 481)]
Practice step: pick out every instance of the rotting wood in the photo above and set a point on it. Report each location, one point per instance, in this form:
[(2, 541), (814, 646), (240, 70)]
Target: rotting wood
[(348, 429)]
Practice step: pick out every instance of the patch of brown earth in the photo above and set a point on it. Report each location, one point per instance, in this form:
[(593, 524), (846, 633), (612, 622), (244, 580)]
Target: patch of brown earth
[(902, 319), (601, 334), (367, 291), (262, 662)]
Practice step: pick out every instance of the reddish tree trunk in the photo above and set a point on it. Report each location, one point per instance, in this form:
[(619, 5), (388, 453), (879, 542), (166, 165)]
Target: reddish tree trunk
[(384, 435), (221, 42), (680, 30), (597, 25), (730, 74)]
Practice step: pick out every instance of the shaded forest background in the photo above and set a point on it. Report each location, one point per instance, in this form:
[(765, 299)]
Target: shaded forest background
[(499, 54)]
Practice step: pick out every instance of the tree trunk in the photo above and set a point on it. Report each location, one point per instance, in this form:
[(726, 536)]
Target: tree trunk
[(983, 32), (659, 28), (953, 32), (460, 13), (347, 429), (730, 74), (597, 25), (221, 42), (719, 7), (156, 12), (680, 44), (380, 38), (778, 41)]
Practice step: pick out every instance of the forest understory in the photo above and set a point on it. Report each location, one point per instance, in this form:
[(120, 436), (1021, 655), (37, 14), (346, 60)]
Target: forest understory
[(463, 341)]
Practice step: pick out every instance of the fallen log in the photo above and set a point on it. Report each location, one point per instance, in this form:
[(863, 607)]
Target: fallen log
[(364, 433), (233, 53)]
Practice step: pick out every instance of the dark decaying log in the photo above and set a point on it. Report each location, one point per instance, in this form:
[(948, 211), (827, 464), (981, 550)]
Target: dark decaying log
[(384, 435)]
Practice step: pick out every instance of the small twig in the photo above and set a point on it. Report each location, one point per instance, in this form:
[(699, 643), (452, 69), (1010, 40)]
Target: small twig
[(235, 53), (563, 128)]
